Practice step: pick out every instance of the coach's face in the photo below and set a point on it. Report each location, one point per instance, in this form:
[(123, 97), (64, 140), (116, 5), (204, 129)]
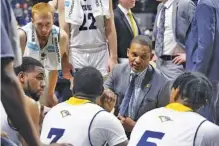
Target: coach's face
[(128, 3), (43, 24), (33, 82), (139, 57)]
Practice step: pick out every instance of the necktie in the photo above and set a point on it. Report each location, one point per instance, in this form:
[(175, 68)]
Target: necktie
[(127, 97), (132, 20), (159, 43)]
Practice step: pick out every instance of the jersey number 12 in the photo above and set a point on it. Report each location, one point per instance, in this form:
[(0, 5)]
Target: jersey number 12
[(92, 25)]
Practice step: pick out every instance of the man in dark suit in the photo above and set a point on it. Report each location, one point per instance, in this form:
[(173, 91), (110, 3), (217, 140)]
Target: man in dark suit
[(139, 86), (126, 27), (202, 47)]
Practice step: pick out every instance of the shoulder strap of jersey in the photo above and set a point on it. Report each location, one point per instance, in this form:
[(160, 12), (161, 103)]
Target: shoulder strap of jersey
[(91, 124), (197, 131)]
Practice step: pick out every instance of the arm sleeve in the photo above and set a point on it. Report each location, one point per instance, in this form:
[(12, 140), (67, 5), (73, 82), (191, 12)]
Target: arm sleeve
[(208, 135), (107, 128)]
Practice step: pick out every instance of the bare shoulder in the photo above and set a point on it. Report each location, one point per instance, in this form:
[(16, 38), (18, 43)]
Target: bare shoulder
[(22, 33)]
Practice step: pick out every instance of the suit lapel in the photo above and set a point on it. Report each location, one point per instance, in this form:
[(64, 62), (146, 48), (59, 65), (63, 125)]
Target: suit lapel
[(155, 23), (145, 87), (125, 21), (174, 15)]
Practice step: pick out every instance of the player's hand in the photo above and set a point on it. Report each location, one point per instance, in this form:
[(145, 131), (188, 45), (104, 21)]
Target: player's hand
[(66, 70), (51, 100), (67, 74), (127, 123), (111, 64), (107, 100), (179, 59)]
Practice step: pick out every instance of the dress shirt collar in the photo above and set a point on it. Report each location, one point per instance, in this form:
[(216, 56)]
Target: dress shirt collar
[(168, 3), (124, 10), (139, 73)]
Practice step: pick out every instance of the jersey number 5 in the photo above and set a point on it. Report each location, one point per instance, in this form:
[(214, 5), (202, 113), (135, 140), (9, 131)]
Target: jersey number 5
[(150, 134), (92, 25), (57, 132)]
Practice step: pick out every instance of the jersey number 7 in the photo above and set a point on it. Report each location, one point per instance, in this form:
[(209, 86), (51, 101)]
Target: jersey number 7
[(149, 134), (57, 132)]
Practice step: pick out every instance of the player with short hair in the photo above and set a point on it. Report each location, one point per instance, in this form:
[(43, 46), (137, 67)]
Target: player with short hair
[(31, 75), (47, 43), (92, 34), (178, 124), (80, 121)]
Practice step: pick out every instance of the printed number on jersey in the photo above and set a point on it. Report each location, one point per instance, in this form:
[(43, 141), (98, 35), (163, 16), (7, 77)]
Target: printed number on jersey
[(55, 134), (90, 26), (148, 137)]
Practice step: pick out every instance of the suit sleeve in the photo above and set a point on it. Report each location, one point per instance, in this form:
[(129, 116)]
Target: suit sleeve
[(206, 33), (164, 94), (191, 11)]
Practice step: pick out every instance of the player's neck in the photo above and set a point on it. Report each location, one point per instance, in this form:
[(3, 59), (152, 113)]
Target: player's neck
[(42, 41)]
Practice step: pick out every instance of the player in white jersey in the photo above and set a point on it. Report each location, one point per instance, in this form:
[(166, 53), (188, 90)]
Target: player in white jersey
[(80, 121), (47, 43), (91, 29), (178, 124)]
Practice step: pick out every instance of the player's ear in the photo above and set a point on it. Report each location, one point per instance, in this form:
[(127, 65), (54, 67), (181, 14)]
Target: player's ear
[(21, 77), (174, 95)]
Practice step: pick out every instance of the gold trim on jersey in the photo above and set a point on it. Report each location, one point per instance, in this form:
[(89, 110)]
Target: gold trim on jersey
[(178, 107), (77, 101)]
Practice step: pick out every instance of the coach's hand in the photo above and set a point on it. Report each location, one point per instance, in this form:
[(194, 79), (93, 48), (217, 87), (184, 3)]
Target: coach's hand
[(51, 100), (111, 63), (127, 123), (107, 100)]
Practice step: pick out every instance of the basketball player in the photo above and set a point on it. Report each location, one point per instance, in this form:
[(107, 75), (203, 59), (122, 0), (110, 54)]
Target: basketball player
[(47, 43), (92, 41), (178, 124), (80, 121), (31, 76)]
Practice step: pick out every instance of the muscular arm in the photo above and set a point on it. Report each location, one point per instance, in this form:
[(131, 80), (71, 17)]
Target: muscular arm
[(23, 39), (12, 100), (111, 37), (66, 66), (62, 23)]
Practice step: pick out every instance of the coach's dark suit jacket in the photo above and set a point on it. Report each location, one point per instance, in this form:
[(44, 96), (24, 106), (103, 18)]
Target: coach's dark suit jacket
[(124, 32)]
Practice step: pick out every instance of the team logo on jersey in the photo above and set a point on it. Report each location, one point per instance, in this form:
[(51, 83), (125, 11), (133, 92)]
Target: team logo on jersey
[(165, 118), (65, 113)]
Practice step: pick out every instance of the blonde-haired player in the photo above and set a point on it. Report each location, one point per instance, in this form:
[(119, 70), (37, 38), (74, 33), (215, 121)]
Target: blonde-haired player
[(47, 43), (92, 41)]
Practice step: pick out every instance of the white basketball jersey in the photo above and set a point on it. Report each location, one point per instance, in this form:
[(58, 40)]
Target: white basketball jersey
[(49, 56), (91, 33), (8, 127), (63, 124), (166, 127)]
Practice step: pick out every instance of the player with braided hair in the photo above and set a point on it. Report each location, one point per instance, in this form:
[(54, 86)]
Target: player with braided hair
[(178, 124)]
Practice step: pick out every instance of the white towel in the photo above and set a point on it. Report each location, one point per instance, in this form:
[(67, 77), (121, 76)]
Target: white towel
[(101, 8), (73, 12)]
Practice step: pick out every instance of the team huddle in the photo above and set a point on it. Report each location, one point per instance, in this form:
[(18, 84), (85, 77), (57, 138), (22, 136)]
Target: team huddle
[(103, 109)]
